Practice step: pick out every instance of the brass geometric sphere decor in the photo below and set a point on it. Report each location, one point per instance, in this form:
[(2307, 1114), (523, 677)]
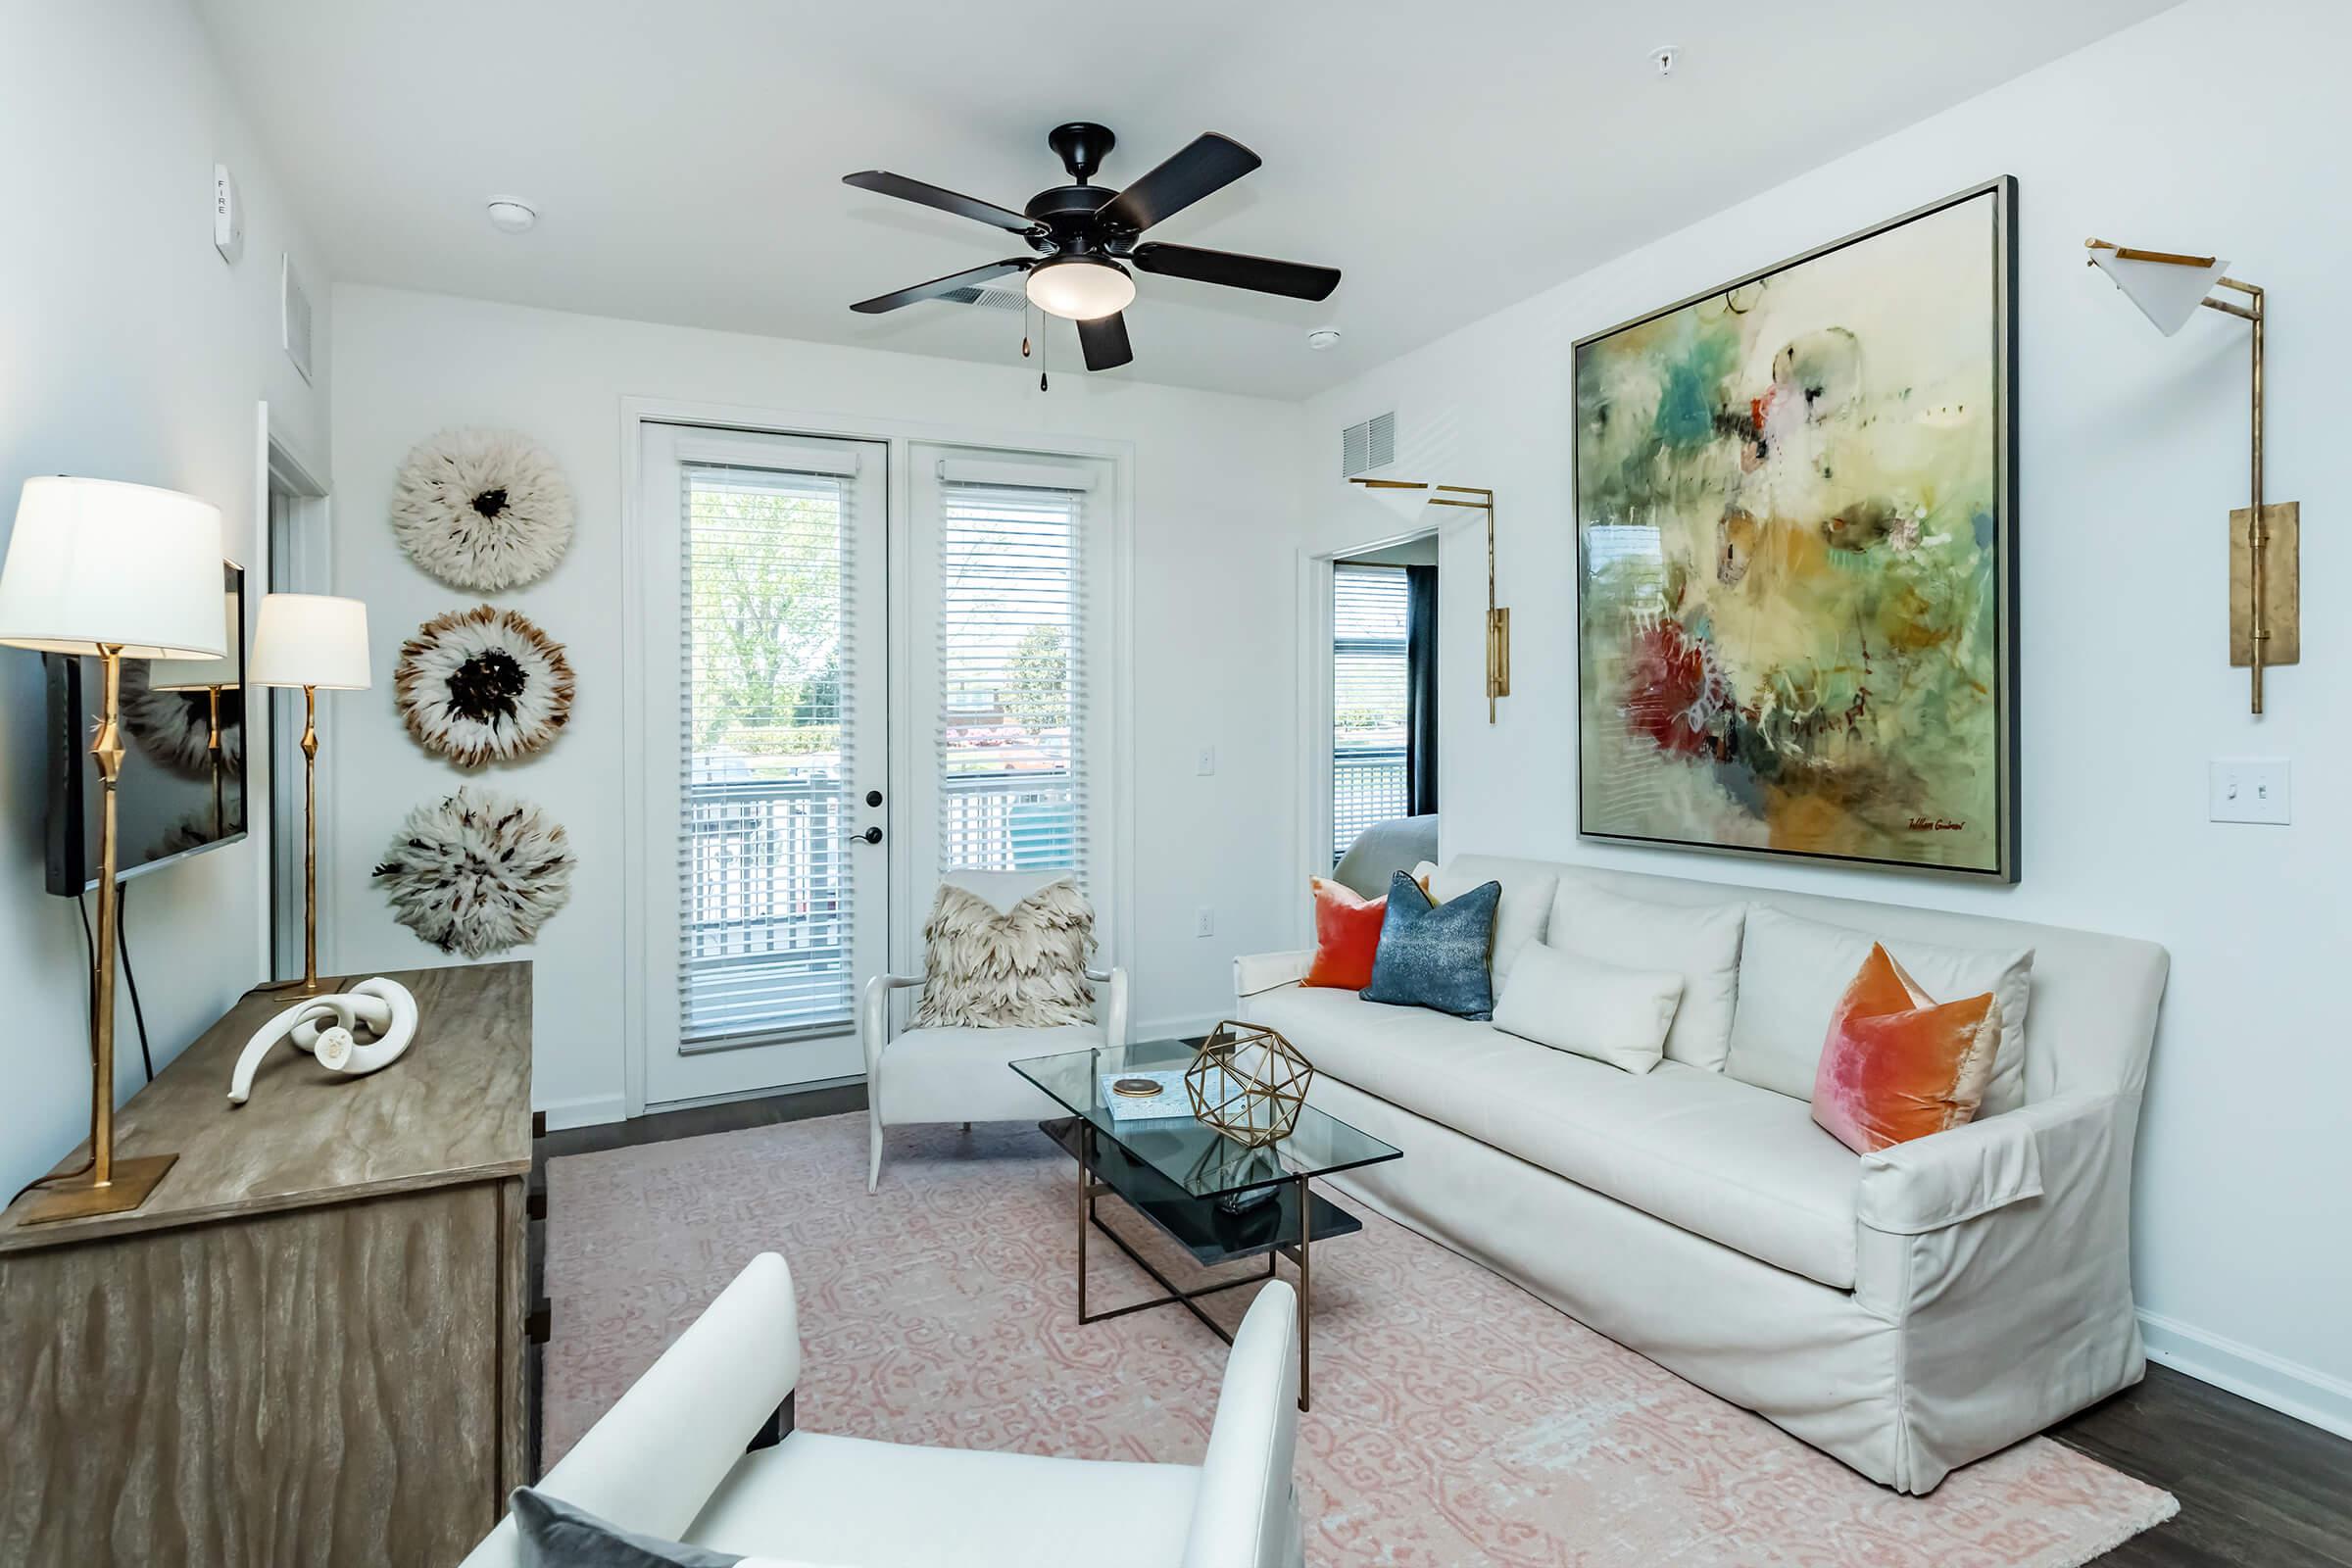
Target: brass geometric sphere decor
[(1249, 1083)]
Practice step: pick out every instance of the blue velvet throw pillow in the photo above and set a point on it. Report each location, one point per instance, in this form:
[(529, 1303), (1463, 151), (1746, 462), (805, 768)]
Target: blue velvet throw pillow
[(1435, 955)]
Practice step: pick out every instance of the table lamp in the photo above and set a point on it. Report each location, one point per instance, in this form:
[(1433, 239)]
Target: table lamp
[(210, 677), (107, 570), (318, 643)]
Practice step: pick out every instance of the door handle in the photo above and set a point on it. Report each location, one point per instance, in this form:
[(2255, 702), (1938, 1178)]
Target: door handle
[(872, 835)]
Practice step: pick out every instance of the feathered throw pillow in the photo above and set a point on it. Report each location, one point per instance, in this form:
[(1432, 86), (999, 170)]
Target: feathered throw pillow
[(1016, 968)]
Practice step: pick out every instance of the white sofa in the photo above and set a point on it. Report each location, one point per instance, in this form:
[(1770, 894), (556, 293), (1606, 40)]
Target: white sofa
[(669, 1460), (1908, 1311)]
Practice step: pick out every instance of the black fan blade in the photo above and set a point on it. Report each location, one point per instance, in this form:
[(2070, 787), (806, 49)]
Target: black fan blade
[(940, 286), (1209, 165), (884, 183), (1235, 270), (1105, 340)]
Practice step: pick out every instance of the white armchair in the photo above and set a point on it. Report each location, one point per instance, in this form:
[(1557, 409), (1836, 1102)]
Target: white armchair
[(965, 1074), (670, 1460)]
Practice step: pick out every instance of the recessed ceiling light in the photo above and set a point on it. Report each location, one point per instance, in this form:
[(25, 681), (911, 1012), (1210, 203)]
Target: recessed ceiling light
[(510, 216), (1323, 338)]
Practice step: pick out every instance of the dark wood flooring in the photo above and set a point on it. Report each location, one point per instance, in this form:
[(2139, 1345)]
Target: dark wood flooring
[(2257, 1489)]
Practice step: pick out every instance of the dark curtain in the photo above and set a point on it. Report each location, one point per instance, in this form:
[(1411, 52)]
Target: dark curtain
[(1420, 690)]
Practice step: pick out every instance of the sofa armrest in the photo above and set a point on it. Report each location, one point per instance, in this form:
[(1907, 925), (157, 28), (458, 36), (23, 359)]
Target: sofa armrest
[(1941, 1180), (1256, 972), (874, 1018), (1114, 1002), (651, 1462)]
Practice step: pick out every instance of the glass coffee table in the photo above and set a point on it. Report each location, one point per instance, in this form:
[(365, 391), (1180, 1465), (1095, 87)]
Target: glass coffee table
[(1219, 1199)]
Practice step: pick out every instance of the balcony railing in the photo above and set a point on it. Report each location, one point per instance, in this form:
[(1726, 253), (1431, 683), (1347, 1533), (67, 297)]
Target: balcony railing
[(764, 947), (1367, 786)]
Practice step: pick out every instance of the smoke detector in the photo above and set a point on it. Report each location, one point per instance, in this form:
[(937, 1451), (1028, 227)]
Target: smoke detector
[(510, 215), (1323, 339)]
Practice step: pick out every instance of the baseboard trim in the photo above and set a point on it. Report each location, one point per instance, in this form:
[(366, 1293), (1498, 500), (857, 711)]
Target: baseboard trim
[(2304, 1392), (588, 1111)]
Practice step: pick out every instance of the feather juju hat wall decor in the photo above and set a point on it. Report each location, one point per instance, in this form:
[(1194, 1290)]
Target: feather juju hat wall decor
[(482, 686), (484, 510), (478, 872)]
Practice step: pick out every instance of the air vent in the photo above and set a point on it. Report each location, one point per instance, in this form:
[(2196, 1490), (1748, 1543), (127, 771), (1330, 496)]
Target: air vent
[(995, 299), (1368, 446)]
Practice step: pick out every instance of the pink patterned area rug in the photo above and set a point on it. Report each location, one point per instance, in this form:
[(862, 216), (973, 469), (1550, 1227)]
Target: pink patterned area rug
[(1457, 1420)]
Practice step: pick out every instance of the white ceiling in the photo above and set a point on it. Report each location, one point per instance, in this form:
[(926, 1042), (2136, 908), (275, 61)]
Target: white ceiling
[(686, 157)]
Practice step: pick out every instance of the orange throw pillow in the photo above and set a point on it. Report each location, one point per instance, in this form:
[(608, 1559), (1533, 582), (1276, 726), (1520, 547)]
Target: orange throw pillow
[(1899, 1064), (1346, 935)]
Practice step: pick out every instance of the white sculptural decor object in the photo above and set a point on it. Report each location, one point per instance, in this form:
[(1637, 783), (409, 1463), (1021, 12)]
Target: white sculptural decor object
[(383, 1007)]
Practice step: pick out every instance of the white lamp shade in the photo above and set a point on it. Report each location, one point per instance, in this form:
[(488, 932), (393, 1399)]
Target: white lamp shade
[(94, 561), (2167, 293), (310, 640), (197, 675)]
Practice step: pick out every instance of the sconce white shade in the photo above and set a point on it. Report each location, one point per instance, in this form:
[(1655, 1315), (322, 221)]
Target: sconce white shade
[(2167, 293), (310, 640), (199, 675), (96, 561)]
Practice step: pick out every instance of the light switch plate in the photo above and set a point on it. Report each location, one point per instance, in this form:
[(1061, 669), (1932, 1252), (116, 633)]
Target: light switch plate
[(2250, 789), (1206, 762), (1204, 922)]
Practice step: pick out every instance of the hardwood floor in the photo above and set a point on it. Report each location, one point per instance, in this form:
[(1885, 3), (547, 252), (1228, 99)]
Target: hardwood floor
[(2257, 1489)]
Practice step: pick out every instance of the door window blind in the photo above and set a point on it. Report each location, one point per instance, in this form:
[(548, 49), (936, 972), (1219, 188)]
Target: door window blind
[(765, 611), (1367, 700), (1012, 780)]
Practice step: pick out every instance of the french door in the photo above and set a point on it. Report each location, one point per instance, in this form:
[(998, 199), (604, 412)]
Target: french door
[(766, 686)]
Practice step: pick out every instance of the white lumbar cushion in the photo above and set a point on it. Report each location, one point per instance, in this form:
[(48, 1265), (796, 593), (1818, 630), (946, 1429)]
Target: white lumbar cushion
[(1521, 916), (1601, 1011), (1699, 942), (1792, 972)]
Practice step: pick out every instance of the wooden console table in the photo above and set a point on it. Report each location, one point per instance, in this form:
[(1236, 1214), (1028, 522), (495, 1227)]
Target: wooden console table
[(308, 1346)]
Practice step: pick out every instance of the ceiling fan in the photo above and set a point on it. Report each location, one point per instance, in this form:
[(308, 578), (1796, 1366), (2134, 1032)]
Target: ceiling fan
[(1083, 233)]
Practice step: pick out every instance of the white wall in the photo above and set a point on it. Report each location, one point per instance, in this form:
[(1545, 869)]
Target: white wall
[(128, 350), (1215, 525), (2213, 128)]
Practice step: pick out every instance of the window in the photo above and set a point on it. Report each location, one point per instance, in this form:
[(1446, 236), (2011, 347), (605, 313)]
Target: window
[(1013, 699), (765, 752), (1367, 700)]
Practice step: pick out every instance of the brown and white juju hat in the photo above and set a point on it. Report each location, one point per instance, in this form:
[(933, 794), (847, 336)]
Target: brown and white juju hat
[(482, 508), (482, 686), (478, 872)]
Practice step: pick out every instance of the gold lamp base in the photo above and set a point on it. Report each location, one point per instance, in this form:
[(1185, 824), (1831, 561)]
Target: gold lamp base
[(133, 1182)]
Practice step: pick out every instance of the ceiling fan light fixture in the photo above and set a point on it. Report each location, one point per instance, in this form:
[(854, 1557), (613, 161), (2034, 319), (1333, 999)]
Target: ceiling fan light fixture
[(1080, 288)]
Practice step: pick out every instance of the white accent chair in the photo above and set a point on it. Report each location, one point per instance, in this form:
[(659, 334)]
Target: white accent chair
[(965, 1074), (669, 1460)]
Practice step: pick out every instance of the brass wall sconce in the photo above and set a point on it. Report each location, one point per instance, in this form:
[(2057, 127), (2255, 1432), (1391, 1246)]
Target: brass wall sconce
[(2265, 612), (1499, 620)]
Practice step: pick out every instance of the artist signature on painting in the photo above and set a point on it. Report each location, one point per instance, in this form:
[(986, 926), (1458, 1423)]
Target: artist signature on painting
[(1937, 824)]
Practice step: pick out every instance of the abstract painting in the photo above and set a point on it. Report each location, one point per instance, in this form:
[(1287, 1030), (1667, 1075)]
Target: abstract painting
[(1795, 496)]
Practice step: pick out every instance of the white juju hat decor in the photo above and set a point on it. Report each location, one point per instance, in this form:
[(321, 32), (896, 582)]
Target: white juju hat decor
[(478, 872), (482, 686), (484, 510)]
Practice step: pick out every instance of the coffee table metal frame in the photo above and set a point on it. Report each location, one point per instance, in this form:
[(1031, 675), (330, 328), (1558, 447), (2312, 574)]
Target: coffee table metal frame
[(1098, 1170)]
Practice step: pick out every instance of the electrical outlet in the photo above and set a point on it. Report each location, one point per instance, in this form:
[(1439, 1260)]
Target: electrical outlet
[(1204, 922), (2250, 789), (1206, 764)]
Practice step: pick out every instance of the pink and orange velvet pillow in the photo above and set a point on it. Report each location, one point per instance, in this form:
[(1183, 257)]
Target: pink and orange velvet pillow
[(1899, 1064), (1347, 936)]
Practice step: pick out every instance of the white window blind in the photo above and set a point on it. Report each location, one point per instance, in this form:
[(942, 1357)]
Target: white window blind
[(767, 641), (1012, 676), (1367, 700)]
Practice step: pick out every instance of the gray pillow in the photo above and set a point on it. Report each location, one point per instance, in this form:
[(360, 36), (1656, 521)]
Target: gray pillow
[(557, 1534), (1435, 955)]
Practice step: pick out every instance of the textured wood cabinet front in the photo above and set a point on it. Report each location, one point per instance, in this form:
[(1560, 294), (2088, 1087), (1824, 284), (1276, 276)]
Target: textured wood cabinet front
[(314, 1386)]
